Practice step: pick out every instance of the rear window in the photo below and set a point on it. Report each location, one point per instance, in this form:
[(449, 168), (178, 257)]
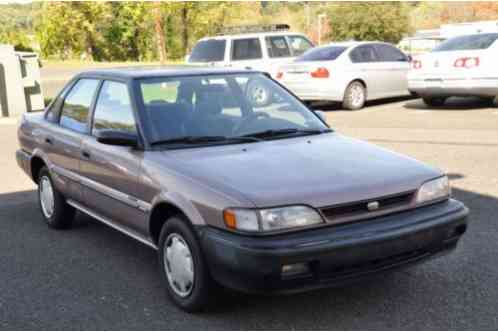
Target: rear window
[(208, 51), (322, 54), (472, 42)]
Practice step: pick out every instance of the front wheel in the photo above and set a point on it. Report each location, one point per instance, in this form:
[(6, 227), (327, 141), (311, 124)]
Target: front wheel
[(354, 96), (434, 101), (183, 267), (56, 212)]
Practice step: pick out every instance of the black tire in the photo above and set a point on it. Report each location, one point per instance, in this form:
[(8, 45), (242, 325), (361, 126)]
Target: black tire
[(434, 101), (350, 102), (62, 215), (202, 285)]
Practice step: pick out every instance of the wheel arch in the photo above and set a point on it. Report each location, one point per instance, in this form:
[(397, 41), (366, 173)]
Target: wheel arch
[(36, 164), (167, 206), (362, 81), (161, 212)]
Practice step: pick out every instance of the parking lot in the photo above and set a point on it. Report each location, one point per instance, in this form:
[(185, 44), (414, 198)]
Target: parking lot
[(91, 277)]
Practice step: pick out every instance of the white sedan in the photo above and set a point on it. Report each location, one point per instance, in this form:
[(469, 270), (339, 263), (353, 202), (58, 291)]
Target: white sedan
[(348, 72), (461, 66)]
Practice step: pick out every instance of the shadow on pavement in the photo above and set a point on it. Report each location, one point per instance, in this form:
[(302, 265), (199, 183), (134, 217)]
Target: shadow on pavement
[(99, 270), (452, 104), (331, 106)]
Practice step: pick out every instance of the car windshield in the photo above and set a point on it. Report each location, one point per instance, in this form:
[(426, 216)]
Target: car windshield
[(211, 50), (222, 109), (472, 42), (322, 54)]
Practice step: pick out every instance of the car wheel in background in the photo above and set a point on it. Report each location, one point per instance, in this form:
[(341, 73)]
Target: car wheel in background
[(55, 210), (434, 101), (354, 96), (258, 94), (183, 267)]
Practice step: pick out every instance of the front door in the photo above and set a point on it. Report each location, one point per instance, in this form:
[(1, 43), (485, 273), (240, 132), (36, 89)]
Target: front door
[(111, 172)]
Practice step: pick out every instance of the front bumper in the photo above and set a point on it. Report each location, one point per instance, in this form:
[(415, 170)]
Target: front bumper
[(333, 254), (455, 86)]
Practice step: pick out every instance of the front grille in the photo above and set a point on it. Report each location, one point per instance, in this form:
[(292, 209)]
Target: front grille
[(357, 210)]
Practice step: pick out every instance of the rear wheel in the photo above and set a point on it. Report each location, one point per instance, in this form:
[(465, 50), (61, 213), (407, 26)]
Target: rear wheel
[(56, 212), (183, 267), (354, 96), (434, 101)]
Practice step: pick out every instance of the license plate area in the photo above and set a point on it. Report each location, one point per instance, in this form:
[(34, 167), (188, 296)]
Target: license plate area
[(433, 83)]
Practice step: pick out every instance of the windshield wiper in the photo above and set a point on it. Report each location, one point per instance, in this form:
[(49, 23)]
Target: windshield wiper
[(286, 131), (204, 139)]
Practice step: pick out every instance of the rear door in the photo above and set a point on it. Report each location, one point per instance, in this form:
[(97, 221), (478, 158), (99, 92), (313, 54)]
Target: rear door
[(395, 67), (64, 140), (246, 53), (111, 172), (277, 52), (365, 64)]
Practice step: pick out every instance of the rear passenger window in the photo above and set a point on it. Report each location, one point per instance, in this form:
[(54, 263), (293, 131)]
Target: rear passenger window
[(363, 54), (113, 109), (75, 109), (246, 49), (277, 47), (389, 54)]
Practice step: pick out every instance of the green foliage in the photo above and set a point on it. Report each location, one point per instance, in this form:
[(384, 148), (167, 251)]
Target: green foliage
[(16, 22), (386, 21)]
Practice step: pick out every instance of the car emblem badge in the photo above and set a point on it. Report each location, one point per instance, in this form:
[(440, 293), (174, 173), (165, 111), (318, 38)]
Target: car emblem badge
[(372, 206)]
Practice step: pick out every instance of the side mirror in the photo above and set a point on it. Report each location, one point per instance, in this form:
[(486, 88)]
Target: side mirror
[(116, 137), (321, 115)]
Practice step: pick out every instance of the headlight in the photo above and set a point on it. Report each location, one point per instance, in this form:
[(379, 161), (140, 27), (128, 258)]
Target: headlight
[(434, 190), (271, 219)]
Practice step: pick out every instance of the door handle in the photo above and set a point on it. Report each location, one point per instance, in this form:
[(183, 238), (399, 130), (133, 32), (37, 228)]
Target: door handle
[(85, 154), (48, 140)]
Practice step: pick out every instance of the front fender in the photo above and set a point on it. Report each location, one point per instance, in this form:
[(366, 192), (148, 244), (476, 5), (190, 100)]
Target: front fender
[(181, 203)]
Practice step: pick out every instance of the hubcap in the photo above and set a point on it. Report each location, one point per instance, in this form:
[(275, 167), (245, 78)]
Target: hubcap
[(357, 95), (47, 197), (179, 265)]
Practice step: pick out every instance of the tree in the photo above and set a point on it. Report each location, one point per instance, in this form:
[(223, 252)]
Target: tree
[(68, 28), (386, 21), (158, 25)]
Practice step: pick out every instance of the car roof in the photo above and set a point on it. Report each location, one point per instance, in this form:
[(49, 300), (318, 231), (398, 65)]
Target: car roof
[(353, 43), (255, 35), (136, 72)]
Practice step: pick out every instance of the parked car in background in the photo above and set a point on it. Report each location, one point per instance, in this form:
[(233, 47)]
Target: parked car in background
[(259, 47), (258, 199), (348, 72), (460, 66)]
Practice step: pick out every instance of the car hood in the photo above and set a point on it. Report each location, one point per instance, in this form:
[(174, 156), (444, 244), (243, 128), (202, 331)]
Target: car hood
[(319, 170)]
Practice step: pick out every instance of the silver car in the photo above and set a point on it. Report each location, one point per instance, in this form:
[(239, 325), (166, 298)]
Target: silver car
[(348, 72), (258, 199)]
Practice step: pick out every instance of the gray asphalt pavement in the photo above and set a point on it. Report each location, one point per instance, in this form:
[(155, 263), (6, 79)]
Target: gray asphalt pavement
[(91, 277)]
